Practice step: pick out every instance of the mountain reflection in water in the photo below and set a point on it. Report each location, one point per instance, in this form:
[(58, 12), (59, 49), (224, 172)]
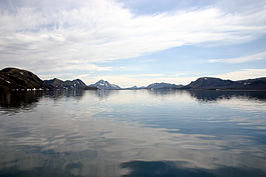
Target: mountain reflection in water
[(133, 133)]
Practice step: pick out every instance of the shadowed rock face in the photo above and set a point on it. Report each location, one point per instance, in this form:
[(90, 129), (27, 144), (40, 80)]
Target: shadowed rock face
[(216, 83), (13, 78), (209, 83), (59, 84), (258, 83)]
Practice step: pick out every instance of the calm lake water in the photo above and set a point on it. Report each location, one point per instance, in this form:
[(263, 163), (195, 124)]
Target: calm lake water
[(131, 133)]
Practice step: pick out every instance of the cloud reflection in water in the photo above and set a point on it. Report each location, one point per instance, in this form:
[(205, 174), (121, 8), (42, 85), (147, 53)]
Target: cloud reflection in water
[(132, 133)]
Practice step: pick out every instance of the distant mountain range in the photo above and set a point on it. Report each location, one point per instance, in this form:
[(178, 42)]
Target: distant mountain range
[(18, 79), (163, 86), (211, 83), (59, 84), (74, 84)]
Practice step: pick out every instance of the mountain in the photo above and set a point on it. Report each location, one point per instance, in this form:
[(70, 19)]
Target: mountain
[(59, 84), (77, 83), (163, 86), (105, 85), (258, 83), (14, 78), (56, 83), (217, 83), (134, 88), (209, 83)]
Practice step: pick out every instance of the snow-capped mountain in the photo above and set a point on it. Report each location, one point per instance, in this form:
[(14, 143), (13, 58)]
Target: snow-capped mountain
[(105, 85)]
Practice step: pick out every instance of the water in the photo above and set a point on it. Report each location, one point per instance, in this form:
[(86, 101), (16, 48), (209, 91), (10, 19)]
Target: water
[(131, 133)]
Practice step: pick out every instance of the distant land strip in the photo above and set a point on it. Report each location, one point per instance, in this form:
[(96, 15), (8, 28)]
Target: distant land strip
[(22, 80)]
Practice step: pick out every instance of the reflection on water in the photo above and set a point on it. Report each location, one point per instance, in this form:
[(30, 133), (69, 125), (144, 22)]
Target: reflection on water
[(165, 168), (133, 133), (24, 99), (212, 95), (205, 95), (19, 99)]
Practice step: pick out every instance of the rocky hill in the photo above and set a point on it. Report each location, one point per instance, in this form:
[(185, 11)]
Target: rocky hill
[(14, 78), (74, 84), (217, 83), (256, 84), (18, 79)]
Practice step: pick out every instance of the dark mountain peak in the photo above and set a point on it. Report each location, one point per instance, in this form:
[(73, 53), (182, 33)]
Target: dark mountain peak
[(18, 72), (54, 82), (6, 70), (217, 83), (102, 82), (55, 79), (209, 83), (210, 79), (14, 78), (78, 80), (11, 69), (68, 84)]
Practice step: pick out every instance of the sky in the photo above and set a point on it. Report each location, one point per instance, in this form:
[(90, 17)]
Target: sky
[(134, 42)]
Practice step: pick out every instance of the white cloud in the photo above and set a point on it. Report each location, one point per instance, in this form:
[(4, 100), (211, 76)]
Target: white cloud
[(243, 74), (249, 58), (51, 35)]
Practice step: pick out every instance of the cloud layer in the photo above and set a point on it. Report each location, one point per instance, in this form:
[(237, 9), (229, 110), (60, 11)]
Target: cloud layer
[(57, 35), (249, 58)]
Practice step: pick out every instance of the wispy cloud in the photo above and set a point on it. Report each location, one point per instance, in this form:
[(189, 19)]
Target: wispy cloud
[(249, 58), (243, 74), (51, 35)]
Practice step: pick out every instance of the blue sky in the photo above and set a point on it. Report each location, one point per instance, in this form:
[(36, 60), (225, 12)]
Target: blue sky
[(135, 42)]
